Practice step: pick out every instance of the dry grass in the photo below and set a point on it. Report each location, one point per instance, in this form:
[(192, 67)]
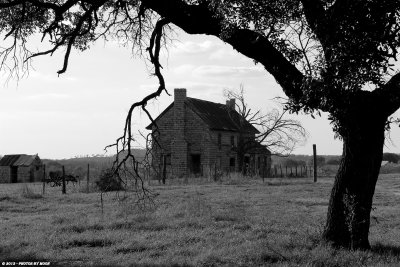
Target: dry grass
[(229, 223)]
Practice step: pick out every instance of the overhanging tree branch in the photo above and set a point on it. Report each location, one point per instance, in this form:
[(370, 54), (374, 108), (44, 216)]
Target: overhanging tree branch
[(198, 19)]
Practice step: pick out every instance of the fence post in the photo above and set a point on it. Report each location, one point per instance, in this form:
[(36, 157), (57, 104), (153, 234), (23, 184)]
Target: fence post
[(44, 178), (215, 171), (87, 179), (164, 173), (315, 162), (64, 190), (263, 171)]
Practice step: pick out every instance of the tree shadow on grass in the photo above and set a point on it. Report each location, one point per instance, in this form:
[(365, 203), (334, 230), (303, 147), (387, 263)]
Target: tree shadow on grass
[(386, 249), (12, 254)]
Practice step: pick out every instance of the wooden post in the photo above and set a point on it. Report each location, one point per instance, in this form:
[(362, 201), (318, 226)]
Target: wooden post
[(87, 179), (315, 162), (44, 178), (164, 173), (263, 170), (215, 172), (64, 190)]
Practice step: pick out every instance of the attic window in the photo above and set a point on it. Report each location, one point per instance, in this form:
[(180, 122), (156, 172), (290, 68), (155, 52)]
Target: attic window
[(219, 141)]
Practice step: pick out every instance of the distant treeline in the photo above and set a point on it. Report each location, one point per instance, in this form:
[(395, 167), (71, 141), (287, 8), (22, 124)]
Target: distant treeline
[(78, 165), (307, 160)]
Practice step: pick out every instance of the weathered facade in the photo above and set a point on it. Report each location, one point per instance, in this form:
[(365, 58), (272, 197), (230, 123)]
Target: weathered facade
[(197, 137), (21, 168)]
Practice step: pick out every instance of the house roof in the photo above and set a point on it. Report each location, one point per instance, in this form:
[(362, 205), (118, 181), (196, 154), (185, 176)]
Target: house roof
[(216, 116), (17, 160)]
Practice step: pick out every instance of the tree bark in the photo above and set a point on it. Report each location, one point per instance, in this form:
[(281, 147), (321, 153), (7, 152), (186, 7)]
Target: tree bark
[(350, 204)]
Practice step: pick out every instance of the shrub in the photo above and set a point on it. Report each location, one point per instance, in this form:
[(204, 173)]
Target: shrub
[(320, 161), (333, 162), (291, 163), (108, 181), (391, 157)]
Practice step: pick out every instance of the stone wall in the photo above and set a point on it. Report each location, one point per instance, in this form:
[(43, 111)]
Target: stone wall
[(5, 174), (179, 142), (24, 174), (183, 136), (163, 146), (198, 137)]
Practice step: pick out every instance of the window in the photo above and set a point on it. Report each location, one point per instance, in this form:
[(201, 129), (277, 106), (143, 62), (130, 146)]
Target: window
[(232, 162), (232, 141), (219, 141), (166, 159)]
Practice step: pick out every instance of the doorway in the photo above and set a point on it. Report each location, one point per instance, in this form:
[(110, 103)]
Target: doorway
[(246, 167), (195, 163), (14, 174)]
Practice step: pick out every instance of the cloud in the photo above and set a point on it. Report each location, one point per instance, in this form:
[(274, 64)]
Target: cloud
[(193, 48), (51, 78), (224, 71), (224, 53), (217, 71), (50, 96), (184, 69), (194, 89)]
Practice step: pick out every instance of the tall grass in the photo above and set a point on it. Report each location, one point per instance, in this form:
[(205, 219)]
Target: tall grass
[(27, 192), (226, 223)]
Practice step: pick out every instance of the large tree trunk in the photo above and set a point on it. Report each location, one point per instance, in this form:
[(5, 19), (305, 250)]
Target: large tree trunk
[(350, 203)]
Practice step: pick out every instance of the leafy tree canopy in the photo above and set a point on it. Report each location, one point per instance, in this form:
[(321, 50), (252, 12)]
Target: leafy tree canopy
[(319, 51)]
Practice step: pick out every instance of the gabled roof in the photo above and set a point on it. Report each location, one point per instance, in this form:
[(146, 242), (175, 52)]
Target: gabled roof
[(17, 160), (216, 116), (219, 117)]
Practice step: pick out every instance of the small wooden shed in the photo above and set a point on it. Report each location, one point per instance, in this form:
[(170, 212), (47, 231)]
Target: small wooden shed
[(21, 168)]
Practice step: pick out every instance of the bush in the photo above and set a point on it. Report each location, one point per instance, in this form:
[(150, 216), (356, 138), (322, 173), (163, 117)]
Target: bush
[(320, 161), (333, 162), (391, 157), (291, 163), (108, 181)]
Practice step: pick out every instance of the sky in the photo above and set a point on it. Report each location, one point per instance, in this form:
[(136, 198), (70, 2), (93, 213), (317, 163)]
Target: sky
[(82, 111)]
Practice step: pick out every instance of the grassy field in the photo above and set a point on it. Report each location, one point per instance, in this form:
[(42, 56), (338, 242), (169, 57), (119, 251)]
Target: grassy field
[(231, 223)]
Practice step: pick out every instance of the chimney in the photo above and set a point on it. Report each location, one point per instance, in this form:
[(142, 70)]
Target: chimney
[(179, 95), (230, 104), (179, 110), (179, 145)]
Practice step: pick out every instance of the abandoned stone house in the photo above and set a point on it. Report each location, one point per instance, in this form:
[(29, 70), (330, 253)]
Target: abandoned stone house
[(21, 168), (197, 137)]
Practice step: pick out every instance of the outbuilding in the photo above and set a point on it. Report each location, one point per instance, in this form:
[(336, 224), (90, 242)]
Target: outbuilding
[(21, 168)]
